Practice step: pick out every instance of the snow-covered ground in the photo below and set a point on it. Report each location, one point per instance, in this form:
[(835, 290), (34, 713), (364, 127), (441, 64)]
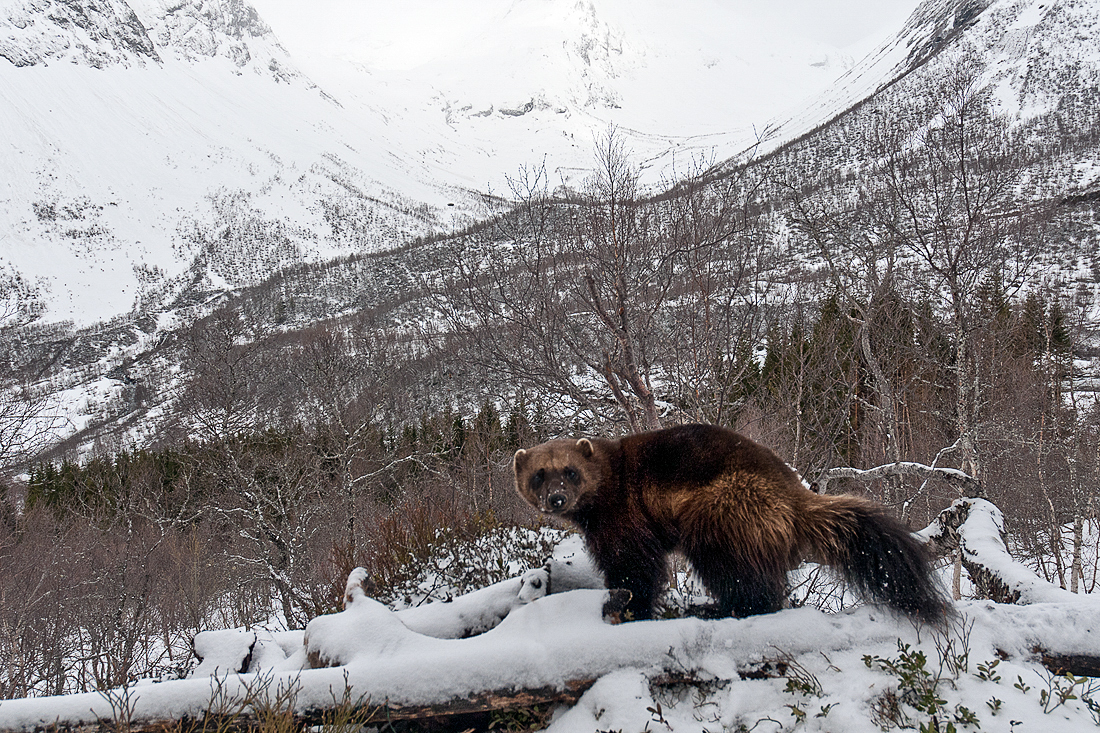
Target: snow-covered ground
[(849, 671), (863, 669)]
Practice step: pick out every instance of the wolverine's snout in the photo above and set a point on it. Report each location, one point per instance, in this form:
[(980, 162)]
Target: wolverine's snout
[(556, 501)]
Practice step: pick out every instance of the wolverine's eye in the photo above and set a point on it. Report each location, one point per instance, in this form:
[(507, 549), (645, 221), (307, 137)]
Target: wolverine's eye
[(571, 475), (538, 478)]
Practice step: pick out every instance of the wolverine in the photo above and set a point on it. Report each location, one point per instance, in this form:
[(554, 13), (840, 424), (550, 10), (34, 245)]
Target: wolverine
[(740, 515)]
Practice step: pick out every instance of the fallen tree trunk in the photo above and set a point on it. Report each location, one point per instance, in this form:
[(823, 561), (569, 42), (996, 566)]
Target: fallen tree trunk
[(963, 482), (975, 529), (1079, 665), (452, 715), (478, 711), (250, 650)]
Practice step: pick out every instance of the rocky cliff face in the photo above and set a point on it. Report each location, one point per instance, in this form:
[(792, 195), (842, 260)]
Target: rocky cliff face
[(95, 33), (102, 33), (201, 29)]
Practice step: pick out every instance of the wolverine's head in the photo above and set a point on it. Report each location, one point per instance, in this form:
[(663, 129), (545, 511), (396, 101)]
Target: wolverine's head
[(553, 477)]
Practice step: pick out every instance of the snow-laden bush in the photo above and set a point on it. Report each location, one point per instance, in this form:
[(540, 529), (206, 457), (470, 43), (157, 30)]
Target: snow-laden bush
[(450, 561)]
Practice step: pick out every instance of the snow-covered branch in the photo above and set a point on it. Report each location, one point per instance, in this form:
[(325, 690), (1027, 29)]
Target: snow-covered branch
[(966, 484)]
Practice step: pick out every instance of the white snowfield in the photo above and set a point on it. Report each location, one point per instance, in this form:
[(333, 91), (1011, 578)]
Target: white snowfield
[(550, 640)]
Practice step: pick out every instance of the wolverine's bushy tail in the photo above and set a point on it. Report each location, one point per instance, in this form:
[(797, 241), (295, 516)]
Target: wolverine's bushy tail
[(878, 556)]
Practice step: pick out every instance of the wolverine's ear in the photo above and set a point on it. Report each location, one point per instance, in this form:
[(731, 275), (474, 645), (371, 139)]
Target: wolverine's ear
[(584, 445), (521, 456)]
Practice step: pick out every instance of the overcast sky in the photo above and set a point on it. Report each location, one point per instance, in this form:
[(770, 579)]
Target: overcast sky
[(326, 24), (836, 22)]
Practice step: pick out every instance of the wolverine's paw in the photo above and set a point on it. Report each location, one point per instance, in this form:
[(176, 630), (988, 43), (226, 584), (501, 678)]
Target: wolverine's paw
[(705, 611), (614, 610)]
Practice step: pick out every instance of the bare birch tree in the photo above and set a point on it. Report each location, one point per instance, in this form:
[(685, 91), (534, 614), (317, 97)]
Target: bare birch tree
[(598, 300), (725, 249), (950, 206), (29, 416)]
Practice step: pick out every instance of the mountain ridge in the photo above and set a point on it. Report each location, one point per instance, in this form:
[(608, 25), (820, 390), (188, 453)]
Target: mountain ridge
[(111, 174)]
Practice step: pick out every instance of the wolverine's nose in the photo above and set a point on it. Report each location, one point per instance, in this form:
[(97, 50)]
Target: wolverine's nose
[(556, 501)]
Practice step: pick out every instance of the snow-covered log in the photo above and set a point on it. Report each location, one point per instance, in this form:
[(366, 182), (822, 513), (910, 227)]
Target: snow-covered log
[(475, 613), (250, 650), (551, 648), (368, 621), (976, 528), (228, 651)]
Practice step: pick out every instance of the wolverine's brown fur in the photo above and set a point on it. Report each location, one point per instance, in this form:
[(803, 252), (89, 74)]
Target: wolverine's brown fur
[(739, 514)]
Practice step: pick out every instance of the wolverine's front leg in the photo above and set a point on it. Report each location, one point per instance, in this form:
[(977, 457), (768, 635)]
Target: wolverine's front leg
[(638, 565)]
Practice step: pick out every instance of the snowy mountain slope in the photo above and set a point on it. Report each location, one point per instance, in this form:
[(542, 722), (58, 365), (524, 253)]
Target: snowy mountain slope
[(1036, 65), (140, 141), (923, 34), (1039, 57), (146, 139), (292, 187), (511, 82)]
